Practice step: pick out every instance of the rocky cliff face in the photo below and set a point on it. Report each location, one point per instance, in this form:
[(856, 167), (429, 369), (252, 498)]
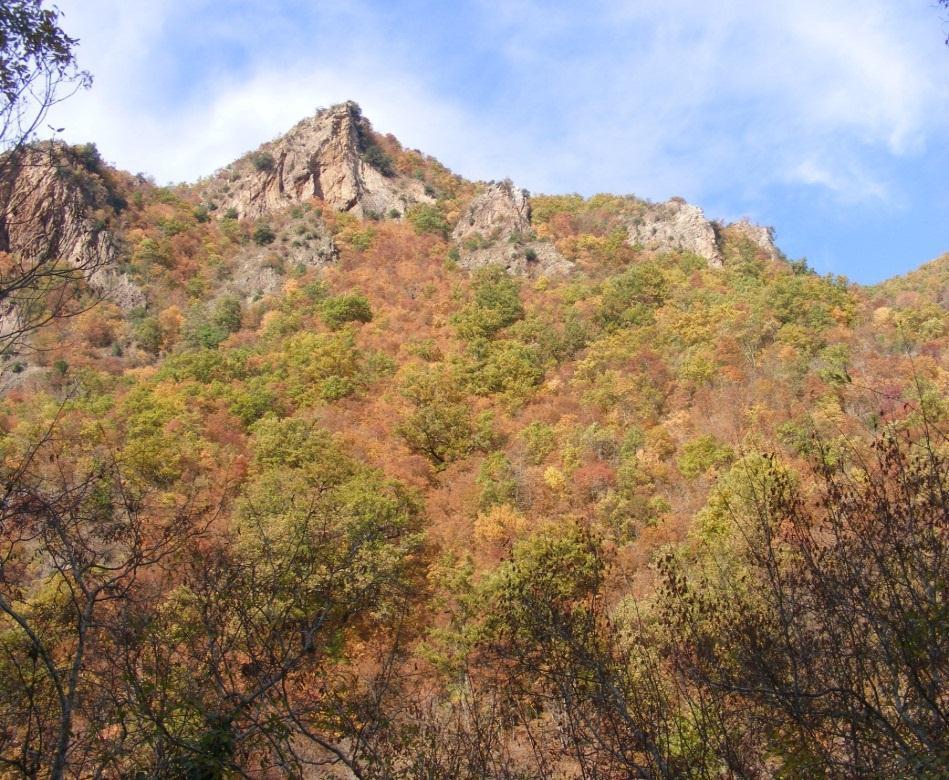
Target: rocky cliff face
[(762, 238), (52, 214), (679, 226), (331, 156), (334, 156), (501, 210), (675, 225), (495, 229), (262, 270)]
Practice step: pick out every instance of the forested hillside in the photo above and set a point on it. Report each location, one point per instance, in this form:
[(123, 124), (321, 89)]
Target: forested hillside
[(338, 465)]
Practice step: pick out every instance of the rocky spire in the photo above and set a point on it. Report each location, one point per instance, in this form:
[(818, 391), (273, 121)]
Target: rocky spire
[(675, 226), (333, 156)]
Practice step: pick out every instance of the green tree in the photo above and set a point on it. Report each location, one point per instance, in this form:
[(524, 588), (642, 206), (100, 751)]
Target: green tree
[(91, 532), (323, 554), (496, 304), (427, 219), (339, 310), (630, 297), (37, 69), (498, 482), (440, 425), (264, 234), (816, 623), (227, 314)]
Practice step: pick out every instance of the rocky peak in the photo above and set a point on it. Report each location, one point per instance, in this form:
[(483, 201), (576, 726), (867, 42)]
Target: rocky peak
[(761, 237), (55, 207), (501, 210), (333, 155), (679, 226), (495, 229), (675, 226)]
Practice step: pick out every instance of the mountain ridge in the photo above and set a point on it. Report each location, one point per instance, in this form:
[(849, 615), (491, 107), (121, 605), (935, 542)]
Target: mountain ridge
[(337, 157)]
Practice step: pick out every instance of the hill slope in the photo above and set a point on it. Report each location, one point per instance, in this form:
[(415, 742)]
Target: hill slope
[(393, 471)]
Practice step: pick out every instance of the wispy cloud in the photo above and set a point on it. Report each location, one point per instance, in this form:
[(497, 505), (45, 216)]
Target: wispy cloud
[(725, 104), (688, 96)]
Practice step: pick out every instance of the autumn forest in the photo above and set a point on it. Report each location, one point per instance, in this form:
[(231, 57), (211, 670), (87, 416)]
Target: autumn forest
[(335, 464)]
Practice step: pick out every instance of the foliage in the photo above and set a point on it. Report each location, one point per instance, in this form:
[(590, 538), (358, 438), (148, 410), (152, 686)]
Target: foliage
[(337, 311), (318, 367), (439, 425), (828, 631), (665, 520), (38, 62), (427, 219), (702, 454), (263, 161), (629, 297), (376, 156), (264, 234), (539, 441), (497, 481), (496, 304)]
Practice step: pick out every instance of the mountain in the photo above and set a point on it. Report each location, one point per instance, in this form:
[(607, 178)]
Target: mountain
[(336, 464), (61, 204), (334, 156)]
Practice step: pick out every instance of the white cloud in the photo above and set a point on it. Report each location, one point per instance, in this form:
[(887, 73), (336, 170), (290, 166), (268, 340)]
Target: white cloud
[(657, 97), (228, 113)]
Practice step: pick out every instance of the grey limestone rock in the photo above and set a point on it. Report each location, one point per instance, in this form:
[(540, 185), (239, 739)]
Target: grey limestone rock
[(495, 229)]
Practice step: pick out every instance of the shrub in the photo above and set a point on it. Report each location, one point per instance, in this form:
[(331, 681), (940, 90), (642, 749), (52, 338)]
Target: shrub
[(440, 425), (496, 305), (629, 297), (208, 329), (497, 481), (376, 156), (262, 161), (148, 334), (87, 155), (361, 240), (539, 441), (341, 309), (703, 454), (427, 219), (149, 252), (264, 234), (508, 368), (227, 314), (325, 367)]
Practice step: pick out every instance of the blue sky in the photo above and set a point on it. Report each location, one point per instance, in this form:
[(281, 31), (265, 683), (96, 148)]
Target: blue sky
[(828, 119)]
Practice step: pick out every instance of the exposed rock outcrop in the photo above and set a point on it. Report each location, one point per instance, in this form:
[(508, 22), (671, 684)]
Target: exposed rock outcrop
[(761, 237), (332, 156), (262, 270), (495, 229), (675, 226), (501, 210), (54, 207), (679, 226)]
